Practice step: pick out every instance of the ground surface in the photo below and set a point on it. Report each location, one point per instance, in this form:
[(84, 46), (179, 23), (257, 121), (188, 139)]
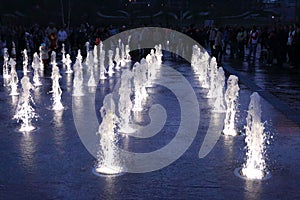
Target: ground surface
[(52, 162)]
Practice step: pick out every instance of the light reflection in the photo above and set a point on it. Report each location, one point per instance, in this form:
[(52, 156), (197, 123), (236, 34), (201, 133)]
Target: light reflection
[(77, 101), (37, 94), (57, 118), (27, 148), (96, 72), (69, 82), (228, 144), (213, 134), (252, 189), (64, 67), (109, 187), (59, 126), (102, 92), (111, 83), (92, 89), (14, 101), (102, 81)]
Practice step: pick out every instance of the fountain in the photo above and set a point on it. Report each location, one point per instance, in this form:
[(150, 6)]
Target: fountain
[(158, 53), (144, 77), (212, 78), (53, 58), (87, 48), (123, 61), (117, 58), (110, 63), (95, 54), (127, 55), (195, 58), (204, 65), (90, 59), (219, 105), (153, 57), (108, 161), (120, 43), (231, 97), (5, 65), (41, 59), (68, 64), (91, 81), (78, 80), (255, 165), (138, 84), (56, 90), (36, 68), (79, 59), (13, 52), (125, 104), (63, 52), (151, 70), (102, 66), (25, 112), (129, 39), (153, 66), (25, 62), (100, 48), (13, 78)]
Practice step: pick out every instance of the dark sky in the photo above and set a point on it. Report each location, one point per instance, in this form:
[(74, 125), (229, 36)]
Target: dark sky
[(87, 5), (86, 10)]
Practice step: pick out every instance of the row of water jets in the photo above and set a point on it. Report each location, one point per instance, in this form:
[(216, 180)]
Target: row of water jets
[(213, 78), (117, 118), (142, 74), (25, 112)]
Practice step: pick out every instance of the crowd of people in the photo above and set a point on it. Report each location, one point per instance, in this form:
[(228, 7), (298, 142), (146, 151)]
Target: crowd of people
[(279, 44), (52, 37)]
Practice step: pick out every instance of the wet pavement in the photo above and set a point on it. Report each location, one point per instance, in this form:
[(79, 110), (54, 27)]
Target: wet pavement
[(52, 162)]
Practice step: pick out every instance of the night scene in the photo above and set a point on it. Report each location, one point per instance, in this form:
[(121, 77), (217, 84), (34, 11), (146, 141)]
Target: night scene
[(149, 99)]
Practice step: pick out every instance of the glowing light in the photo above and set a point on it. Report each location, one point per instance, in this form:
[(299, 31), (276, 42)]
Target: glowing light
[(255, 165), (212, 78), (219, 105), (231, 96), (56, 90), (13, 78), (25, 112), (108, 159), (109, 170), (125, 104)]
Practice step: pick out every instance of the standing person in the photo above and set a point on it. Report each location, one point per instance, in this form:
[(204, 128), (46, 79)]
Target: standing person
[(51, 33), (253, 40), (241, 38), (281, 45), (233, 41), (226, 37), (212, 36), (219, 46), (62, 37), (45, 54), (296, 46), (290, 49)]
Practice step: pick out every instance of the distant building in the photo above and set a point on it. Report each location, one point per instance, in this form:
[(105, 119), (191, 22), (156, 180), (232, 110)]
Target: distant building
[(180, 4), (286, 8)]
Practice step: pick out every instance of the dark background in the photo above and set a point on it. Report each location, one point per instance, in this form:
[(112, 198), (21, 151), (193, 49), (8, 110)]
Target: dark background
[(74, 12)]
